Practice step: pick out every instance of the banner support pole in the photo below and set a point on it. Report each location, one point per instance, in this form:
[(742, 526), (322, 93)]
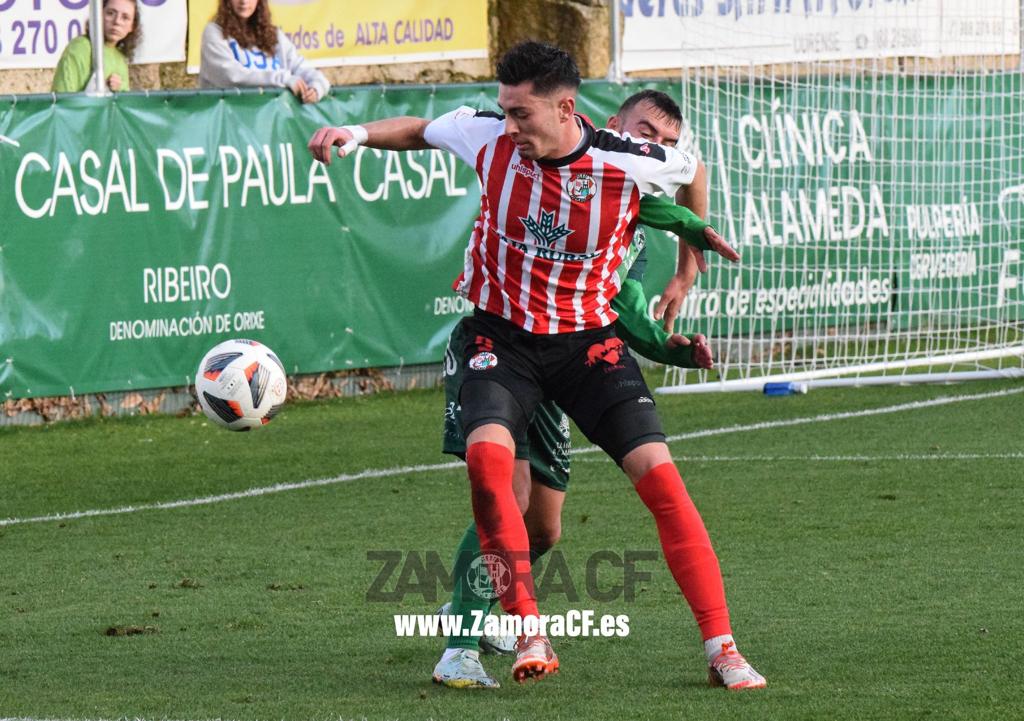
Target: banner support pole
[(97, 86), (615, 74)]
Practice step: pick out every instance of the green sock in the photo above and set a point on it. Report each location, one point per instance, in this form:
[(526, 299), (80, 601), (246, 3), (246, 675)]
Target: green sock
[(464, 599)]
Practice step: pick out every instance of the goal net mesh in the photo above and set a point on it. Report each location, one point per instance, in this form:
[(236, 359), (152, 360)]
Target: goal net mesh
[(877, 199)]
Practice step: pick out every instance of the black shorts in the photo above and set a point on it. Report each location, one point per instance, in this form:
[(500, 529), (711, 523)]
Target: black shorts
[(545, 444), (587, 373)]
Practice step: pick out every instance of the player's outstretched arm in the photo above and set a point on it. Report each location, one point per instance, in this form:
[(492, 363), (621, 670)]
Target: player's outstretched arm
[(403, 133), (649, 339), (698, 235), (660, 213)]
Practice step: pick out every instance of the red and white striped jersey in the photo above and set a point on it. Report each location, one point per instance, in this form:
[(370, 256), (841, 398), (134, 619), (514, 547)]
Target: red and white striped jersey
[(551, 232)]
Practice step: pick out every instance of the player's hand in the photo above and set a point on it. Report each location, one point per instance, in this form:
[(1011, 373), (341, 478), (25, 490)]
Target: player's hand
[(324, 139), (114, 82), (702, 352), (671, 300), (717, 244)]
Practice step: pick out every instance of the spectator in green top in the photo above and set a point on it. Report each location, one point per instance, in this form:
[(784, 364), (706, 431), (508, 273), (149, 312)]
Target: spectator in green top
[(121, 34)]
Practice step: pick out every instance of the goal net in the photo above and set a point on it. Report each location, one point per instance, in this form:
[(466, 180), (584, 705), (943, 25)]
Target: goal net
[(867, 159)]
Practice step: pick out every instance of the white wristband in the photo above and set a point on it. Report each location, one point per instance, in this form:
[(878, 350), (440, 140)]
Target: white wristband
[(359, 133), (359, 136)]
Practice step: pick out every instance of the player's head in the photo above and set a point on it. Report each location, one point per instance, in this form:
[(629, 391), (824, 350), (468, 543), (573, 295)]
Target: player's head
[(121, 25), (649, 114), (248, 22), (537, 86)]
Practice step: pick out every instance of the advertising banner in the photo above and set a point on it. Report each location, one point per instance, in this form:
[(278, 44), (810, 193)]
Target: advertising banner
[(694, 33), (351, 32), (33, 34), (864, 203), (139, 231)]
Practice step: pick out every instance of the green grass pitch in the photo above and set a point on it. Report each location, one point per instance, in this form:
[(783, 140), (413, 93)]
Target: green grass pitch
[(873, 565)]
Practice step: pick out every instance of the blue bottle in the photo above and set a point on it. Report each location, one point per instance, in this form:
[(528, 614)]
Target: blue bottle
[(784, 389)]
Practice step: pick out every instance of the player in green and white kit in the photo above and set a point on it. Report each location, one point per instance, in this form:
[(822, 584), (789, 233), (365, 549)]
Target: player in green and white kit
[(542, 465)]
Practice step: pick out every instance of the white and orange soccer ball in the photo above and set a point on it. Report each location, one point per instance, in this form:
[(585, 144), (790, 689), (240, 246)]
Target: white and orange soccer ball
[(241, 384)]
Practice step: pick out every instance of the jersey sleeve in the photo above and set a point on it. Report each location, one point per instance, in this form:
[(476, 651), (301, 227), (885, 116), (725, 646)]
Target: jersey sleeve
[(663, 214), (464, 131), (666, 176), (654, 168)]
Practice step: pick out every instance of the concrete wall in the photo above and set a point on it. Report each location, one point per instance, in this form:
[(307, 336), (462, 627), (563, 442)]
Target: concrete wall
[(580, 26)]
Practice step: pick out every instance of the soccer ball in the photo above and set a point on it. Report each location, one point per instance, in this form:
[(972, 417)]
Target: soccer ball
[(241, 384)]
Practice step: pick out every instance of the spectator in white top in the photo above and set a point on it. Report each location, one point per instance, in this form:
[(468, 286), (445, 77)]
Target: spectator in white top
[(242, 47)]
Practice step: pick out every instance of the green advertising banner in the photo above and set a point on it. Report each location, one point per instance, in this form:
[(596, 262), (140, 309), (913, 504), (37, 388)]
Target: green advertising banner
[(862, 202), (138, 231)]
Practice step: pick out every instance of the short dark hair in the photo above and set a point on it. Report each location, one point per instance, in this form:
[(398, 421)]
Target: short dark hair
[(546, 66), (656, 98)]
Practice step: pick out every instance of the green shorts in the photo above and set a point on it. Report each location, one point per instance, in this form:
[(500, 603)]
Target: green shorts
[(547, 446)]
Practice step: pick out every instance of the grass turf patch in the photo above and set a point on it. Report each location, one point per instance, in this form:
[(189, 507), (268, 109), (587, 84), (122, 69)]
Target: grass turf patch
[(872, 588)]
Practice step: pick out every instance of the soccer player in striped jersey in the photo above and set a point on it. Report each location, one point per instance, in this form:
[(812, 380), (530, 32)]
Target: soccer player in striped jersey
[(541, 474), (558, 211)]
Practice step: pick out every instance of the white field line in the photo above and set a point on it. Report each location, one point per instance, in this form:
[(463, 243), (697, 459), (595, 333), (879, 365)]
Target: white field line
[(122, 718), (406, 470), (826, 417), (9, 141), (251, 493), (842, 459), (131, 718)]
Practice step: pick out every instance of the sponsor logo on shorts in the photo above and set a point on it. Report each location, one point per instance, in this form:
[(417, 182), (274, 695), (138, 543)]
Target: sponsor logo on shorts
[(450, 410), (581, 187), (644, 399), (610, 351), (483, 361), (450, 366)]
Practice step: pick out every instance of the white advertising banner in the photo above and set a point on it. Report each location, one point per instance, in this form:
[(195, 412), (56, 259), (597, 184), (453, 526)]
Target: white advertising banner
[(692, 33), (34, 33)]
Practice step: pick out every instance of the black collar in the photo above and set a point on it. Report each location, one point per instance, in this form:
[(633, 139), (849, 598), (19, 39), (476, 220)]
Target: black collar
[(588, 140)]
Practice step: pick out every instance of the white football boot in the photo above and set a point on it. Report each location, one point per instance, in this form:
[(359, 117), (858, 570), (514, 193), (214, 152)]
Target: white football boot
[(461, 668)]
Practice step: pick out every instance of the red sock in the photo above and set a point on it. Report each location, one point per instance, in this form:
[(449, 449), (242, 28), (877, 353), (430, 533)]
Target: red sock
[(687, 547), (500, 524)]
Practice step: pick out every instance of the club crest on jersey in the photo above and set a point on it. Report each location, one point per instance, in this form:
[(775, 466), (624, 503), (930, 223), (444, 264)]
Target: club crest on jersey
[(545, 231), (483, 361), (581, 187)]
